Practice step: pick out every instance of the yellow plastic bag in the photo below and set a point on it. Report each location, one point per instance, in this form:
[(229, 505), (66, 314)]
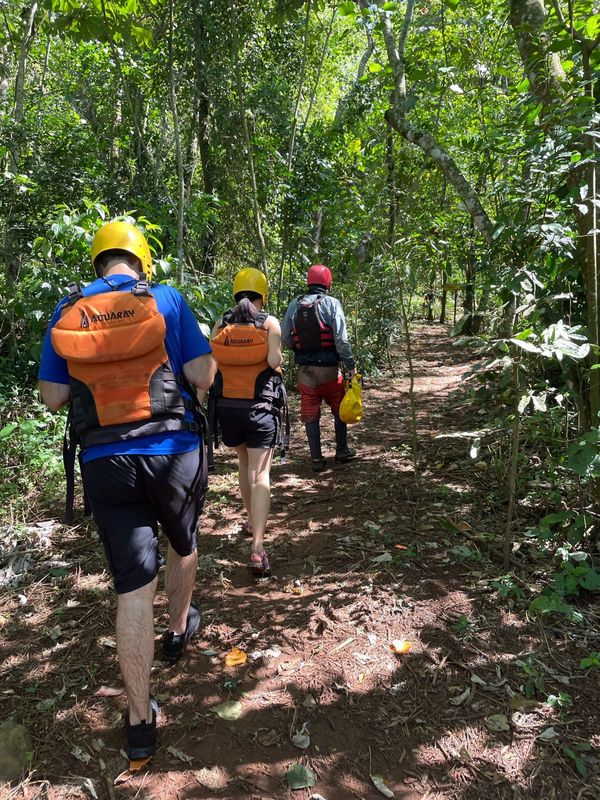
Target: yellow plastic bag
[(351, 407)]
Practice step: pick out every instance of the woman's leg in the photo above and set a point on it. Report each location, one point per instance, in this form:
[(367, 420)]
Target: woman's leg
[(259, 467), (243, 477)]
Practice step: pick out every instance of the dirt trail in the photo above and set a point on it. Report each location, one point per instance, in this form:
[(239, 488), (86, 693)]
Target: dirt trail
[(361, 557)]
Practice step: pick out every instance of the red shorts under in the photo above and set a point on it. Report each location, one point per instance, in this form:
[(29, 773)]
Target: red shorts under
[(311, 398)]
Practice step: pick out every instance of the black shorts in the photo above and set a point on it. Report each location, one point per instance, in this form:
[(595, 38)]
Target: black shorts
[(252, 426), (129, 495)]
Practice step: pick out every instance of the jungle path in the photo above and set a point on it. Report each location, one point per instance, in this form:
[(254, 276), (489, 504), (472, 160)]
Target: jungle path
[(363, 554)]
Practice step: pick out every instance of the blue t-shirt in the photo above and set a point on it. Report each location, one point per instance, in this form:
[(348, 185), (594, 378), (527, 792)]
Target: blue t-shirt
[(184, 341)]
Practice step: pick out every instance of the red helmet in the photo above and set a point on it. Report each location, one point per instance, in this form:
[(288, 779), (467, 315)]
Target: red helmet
[(319, 274)]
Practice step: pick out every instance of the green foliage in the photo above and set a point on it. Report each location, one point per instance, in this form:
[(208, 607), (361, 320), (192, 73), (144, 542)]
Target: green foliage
[(590, 662)]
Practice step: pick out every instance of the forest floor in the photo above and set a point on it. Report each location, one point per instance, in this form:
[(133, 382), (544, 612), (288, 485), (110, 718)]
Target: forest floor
[(363, 554)]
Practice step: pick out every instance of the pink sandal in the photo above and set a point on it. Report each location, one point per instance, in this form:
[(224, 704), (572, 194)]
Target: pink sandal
[(262, 568)]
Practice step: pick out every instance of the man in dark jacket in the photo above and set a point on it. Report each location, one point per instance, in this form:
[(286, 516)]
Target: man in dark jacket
[(314, 326)]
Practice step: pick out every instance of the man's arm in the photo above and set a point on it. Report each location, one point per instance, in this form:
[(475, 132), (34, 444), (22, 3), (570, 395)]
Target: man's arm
[(54, 395), (286, 325), (201, 371), (340, 335)]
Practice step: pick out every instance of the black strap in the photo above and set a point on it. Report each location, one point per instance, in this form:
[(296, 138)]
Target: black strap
[(202, 426), (141, 288), (69, 455), (74, 294)]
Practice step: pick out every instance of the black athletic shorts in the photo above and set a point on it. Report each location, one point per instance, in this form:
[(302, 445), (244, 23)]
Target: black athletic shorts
[(252, 426), (129, 495)]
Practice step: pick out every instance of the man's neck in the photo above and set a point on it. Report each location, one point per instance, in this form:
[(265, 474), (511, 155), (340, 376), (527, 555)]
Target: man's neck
[(121, 268)]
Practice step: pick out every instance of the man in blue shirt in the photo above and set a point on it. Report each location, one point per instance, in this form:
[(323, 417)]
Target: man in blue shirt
[(136, 476), (314, 326)]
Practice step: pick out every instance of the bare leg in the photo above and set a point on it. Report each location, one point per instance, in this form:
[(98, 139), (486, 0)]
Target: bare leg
[(259, 467), (245, 490), (135, 648), (180, 576)]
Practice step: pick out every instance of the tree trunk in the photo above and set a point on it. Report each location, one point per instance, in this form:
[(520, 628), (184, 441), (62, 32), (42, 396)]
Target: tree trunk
[(444, 295), (247, 142), (19, 104), (178, 150), (391, 187), (203, 114), (396, 116), (543, 69)]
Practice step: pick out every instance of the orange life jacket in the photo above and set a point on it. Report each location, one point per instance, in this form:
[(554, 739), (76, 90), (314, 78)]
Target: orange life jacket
[(122, 384), (241, 353)]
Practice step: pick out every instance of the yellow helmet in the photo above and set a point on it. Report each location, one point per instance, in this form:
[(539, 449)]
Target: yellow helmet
[(119, 235), (251, 280)]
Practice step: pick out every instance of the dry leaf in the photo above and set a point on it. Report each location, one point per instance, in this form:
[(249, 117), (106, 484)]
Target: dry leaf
[(267, 737), (400, 646), (108, 691), (179, 754), (497, 722), (134, 767), (380, 785), (81, 754), (463, 526), (230, 710), (235, 657)]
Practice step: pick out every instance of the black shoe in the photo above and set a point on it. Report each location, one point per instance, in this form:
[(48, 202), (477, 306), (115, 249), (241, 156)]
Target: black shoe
[(141, 738), (174, 644), (318, 464), (345, 455)]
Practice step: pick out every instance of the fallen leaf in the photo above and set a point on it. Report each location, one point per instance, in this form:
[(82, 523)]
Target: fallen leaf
[(309, 701), (400, 646), (108, 691), (497, 722), (463, 526), (87, 784), (209, 653), (549, 733), (379, 784), (236, 657), (520, 703), (81, 754), (477, 680), (384, 558), (316, 797), (400, 547), (272, 652), (460, 699), (230, 710), (464, 755), (104, 641), (134, 766), (179, 754), (300, 777), (267, 737), (361, 677), (302, 738)]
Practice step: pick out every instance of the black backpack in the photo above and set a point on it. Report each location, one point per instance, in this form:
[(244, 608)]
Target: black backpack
[(309, 333)]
